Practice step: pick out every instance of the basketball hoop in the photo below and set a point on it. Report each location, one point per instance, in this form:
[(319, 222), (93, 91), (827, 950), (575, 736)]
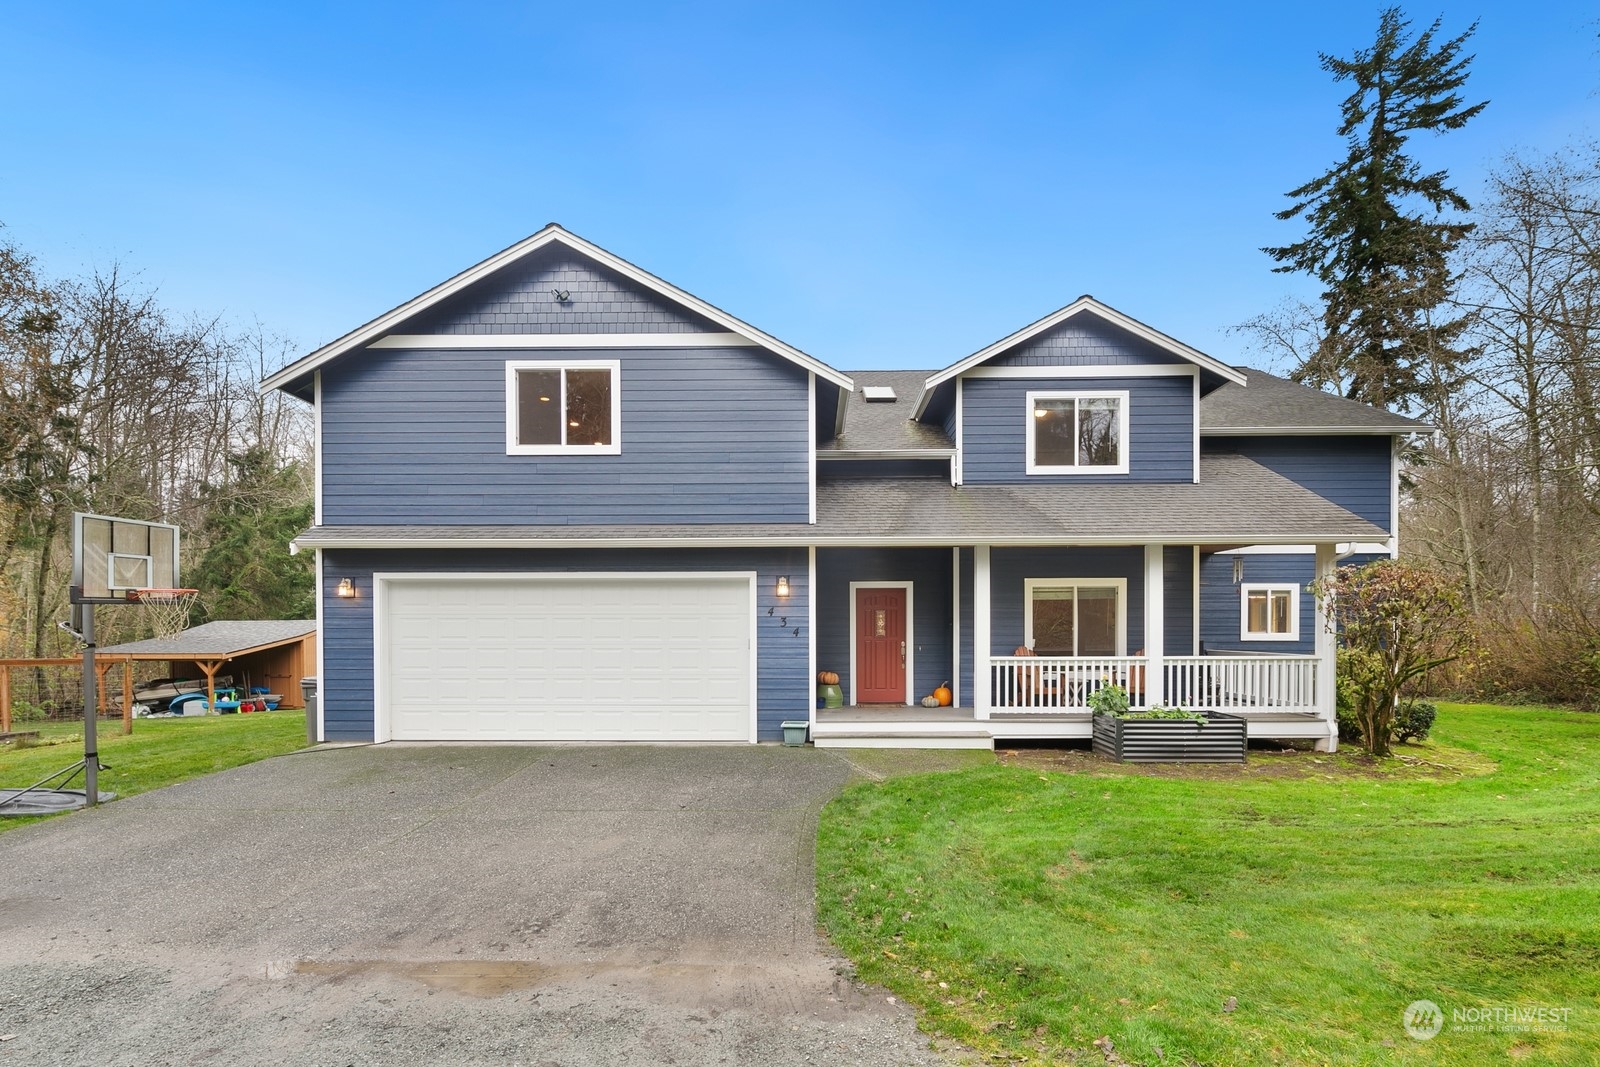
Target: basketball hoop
[(169, 608)]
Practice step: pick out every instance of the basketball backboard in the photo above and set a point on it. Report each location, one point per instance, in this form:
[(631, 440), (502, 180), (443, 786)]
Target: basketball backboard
[(111, 556)]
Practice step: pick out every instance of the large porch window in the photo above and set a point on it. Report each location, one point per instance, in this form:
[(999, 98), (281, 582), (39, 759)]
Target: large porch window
[(1076, 616)]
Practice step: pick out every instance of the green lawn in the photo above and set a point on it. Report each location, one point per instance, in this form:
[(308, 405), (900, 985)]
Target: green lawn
[(159, 751), (1028, 911)]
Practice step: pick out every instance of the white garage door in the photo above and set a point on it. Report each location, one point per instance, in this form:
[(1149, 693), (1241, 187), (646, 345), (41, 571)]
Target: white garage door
[(516, 657)]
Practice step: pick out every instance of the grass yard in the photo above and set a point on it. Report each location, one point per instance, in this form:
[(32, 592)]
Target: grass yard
[(1031, 907), (159, 752)]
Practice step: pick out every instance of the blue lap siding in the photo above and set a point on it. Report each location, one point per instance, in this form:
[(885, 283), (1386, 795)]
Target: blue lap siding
[(707, 435), (1352, 471), (782, 642), (1009, 567), (994, 420)]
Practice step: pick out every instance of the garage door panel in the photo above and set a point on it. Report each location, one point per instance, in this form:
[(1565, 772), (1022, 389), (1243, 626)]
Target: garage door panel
[(523, 657)]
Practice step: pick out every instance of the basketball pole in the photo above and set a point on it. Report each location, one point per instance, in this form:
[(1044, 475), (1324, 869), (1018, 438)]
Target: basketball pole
[(91, 731)]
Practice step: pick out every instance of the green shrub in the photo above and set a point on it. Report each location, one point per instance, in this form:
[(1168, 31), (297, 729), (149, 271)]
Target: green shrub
[(1414, 719)]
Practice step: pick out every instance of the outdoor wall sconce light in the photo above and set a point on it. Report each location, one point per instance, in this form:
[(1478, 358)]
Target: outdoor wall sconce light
[(783, 585), (347, 588)]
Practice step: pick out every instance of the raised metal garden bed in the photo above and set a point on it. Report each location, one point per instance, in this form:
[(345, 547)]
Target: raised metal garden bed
[(1220, 739)]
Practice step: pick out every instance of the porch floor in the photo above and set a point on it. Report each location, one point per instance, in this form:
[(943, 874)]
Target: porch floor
[(894, 726)]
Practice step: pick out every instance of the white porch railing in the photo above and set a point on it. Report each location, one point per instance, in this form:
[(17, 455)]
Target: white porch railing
[(1046, 684), (1051, 684), (1243, 683)]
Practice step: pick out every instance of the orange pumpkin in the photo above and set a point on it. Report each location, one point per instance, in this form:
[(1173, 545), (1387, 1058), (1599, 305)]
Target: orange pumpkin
[(943, 695), (828, 677)]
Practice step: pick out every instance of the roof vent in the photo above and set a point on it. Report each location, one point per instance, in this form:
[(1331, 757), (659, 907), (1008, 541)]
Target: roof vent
[(878, 394)]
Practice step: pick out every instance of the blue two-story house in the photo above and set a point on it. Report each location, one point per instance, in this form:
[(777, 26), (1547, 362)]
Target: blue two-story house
[(560, 499)]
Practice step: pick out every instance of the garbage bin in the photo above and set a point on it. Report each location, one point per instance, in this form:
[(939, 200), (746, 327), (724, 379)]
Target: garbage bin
[(308, 686)]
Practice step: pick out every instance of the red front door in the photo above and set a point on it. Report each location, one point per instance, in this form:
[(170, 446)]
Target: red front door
[(880, 646)]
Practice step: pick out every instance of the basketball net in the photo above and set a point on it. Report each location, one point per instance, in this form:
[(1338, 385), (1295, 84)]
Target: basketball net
[(168, 609)]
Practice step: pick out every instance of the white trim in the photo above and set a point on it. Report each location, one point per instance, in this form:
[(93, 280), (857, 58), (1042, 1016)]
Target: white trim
[(834, 454), (1080, 306), (801, 540), (1393, 547), (1326, 653), (1310, 431), (382, 728), (564, 340), (316, 447), (1194, 607), (982, 593), (1120, 584), (1135, 370), (1345, 548), (911, 645), (513, 412), (1124, 446), (1155, 624), (957, 466), (811, 635), (955, 627), (1269, 588), (1195, 415), (811, 440), (364, 335), (322, 674)]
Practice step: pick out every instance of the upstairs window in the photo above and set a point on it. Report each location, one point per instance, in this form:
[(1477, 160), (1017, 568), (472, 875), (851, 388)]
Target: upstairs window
[(1269, 613), (562, 408), (1078, 433)]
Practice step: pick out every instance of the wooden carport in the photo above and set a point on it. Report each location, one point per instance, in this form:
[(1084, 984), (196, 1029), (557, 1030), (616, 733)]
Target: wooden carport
[(275, 652)]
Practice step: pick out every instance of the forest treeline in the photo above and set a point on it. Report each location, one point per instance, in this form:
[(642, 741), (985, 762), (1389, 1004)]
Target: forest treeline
[(112, 403)]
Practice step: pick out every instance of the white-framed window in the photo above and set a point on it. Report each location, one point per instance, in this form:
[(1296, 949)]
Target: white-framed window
[(563, 408), (1078, 432), (1269, 612), (1076, 616)]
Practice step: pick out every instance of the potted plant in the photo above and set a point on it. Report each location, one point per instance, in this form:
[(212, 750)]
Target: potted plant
[(1162, 734)]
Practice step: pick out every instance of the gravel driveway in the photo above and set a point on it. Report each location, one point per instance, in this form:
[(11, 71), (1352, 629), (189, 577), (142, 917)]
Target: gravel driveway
[(441, 905)]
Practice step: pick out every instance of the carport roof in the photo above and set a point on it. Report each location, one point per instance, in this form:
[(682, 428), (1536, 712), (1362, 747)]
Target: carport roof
[(218, 640), (1237, 501)]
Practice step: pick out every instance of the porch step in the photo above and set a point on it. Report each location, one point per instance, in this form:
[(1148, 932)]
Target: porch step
[(899, 739)]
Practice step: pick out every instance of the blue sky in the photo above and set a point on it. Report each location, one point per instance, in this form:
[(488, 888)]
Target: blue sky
[(891, 185)]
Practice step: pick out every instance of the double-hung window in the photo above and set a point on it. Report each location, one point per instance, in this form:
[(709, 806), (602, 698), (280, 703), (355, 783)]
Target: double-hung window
[(1078, 433), (1269, 612), (563, 408)]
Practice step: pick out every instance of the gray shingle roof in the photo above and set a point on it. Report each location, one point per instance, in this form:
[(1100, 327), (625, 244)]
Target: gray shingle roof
[(878, 427), (1269, 402), (1237, 501), (225, 638)]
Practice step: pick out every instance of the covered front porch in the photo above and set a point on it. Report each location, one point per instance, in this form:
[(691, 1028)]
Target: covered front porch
[(1025, 635)]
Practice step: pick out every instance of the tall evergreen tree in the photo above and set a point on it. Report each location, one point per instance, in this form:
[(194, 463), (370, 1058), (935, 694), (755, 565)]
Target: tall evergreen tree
[(1382, 230)]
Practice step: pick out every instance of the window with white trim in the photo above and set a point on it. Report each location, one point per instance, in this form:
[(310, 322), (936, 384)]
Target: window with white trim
[(1076, 616), (1269, 612), (1078, 432), (562, 408)]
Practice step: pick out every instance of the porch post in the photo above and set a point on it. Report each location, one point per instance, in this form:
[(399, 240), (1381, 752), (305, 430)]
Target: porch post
[(1327, 662), (981, 673), (1155, 629)]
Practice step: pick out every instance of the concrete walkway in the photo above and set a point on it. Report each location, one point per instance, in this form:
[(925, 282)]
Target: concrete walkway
[(441, 905)]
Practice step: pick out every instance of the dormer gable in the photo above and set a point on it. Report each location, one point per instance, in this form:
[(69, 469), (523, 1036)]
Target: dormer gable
[(1085, 333)]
